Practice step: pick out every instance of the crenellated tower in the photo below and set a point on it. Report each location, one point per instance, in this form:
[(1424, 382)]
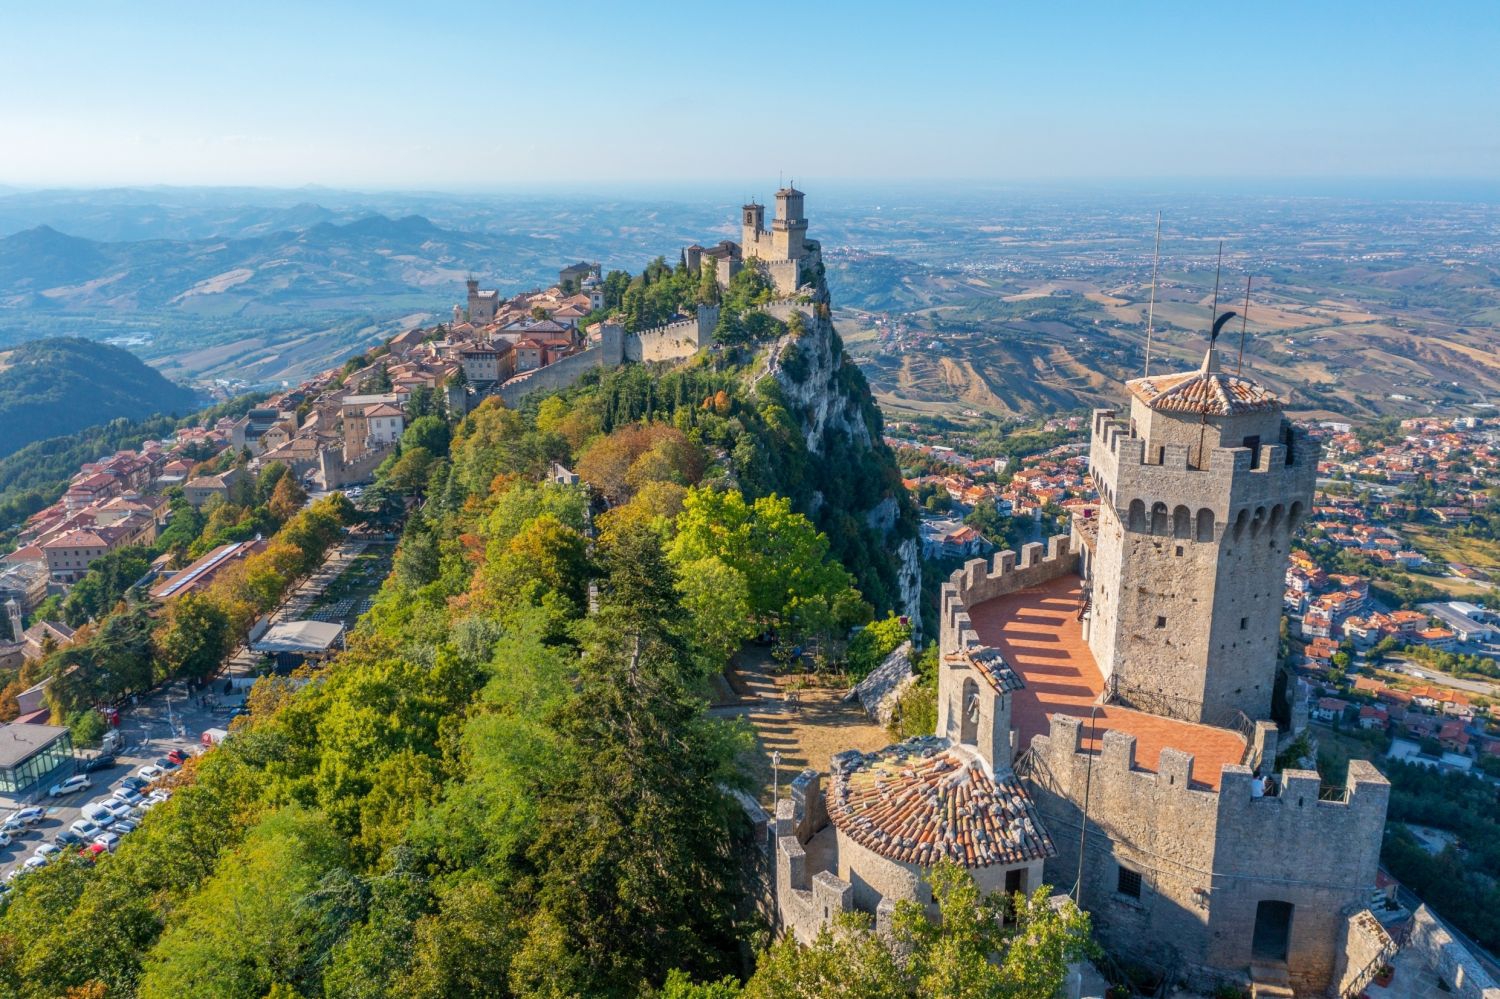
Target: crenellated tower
[(1200, 492)]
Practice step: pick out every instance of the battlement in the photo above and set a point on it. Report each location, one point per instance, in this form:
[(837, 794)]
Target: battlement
[(979, 581), (805, 901)]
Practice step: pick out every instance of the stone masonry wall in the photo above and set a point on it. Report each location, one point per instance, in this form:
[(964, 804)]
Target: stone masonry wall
[(1189, 568), (1205, 859), (1448, 958), (557, 375)]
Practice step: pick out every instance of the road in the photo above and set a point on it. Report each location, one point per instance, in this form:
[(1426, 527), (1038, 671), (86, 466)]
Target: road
[(165, 720), (1418, 671)]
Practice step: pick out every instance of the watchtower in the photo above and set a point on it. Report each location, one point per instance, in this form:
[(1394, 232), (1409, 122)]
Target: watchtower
[(789, 228), (752, 223), (1200, 493)]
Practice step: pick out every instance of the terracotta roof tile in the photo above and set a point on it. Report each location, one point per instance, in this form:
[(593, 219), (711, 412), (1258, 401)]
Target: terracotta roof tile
[(925, 799)]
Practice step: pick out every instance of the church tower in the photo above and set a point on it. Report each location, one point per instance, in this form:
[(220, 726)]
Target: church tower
[(752, 224), (1201, 490)]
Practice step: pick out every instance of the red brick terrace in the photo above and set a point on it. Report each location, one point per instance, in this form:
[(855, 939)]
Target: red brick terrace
[(1038, 632)]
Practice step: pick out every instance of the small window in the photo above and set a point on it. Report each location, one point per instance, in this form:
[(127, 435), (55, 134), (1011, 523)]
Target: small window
[(1244, 623), (1161, 622), (1179, 551), (1129, 883)]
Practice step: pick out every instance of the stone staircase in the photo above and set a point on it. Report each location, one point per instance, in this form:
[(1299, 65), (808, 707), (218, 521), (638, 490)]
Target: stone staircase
[(1269, 981)]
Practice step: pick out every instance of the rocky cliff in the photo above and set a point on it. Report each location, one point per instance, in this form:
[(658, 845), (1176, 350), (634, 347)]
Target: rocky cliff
[(858, 498)]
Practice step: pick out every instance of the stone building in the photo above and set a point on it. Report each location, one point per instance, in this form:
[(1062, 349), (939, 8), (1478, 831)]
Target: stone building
[(1104, 724), (784, 250), (1144, 651)]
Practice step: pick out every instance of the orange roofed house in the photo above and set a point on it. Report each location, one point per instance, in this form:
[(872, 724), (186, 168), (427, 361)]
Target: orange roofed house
[(1105, 723)]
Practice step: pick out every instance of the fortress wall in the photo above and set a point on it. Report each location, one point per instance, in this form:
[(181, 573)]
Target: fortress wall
[(674, 341), (1450, 959), (804, 902), (1156, 824), (557, 375), (979, 581), (1319, 855)]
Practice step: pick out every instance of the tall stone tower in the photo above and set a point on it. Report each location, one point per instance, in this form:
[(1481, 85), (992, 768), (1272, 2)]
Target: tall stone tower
[(752, 223), (789, 228), (1200, 492)]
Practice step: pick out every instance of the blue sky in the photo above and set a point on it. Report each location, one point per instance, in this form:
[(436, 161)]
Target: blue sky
[(441, 95)]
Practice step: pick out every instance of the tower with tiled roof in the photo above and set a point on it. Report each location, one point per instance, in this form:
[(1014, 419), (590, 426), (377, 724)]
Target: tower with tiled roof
[(1201, 489)]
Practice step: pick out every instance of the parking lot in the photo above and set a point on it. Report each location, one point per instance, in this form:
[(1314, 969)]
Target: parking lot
[(171, 718)]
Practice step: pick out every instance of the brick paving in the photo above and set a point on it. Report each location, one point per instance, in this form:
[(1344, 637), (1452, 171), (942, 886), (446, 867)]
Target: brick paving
[(1038, 632)]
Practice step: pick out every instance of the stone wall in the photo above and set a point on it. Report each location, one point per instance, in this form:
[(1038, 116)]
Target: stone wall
[(1207, 859), (1367, 946), (1449, 959), (558, 375), (879, 692), (674, 341), (979, 581), (338, 471)]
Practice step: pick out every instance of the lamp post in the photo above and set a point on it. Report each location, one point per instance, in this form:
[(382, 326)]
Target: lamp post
[(775, 781)]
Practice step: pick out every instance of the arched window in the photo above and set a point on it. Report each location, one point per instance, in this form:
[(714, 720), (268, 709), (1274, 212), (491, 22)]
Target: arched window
[(1258, 521), (1294, 517), (1159, 519), (1239, 523), (1276, 512), (1137, 515), (969, 713), (1182, 522), (1205, 524)]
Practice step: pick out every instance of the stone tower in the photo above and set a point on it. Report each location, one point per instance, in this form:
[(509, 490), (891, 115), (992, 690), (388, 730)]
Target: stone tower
[(789, 228), (1200, 492), (13, 615), (752, 223)]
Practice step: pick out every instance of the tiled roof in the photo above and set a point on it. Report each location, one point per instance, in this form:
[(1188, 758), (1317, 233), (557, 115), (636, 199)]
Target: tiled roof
[(1207, 390), (924, 799), (991, 665)]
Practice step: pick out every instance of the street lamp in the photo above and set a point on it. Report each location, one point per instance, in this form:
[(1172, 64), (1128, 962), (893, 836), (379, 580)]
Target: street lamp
[(775, 781)]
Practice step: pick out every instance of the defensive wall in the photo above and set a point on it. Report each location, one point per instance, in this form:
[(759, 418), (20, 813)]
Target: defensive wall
[(338, 471), (558, 375), (980, 580), (1446, 957), (674, 341), (1206, 861)]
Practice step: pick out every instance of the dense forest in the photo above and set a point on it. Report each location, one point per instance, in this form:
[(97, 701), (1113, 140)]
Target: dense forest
[(508, 785), (63, 384)]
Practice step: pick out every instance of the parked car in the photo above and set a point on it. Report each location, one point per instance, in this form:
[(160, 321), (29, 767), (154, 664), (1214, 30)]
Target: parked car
[(85, 828), (68, 837), (75, 783), (150, 773), (157, 797), (92, 851), (128, 796), (47, 851), (34, 862), (123, 826), (117, 807), (108, 840), (135, 782), (101, 762), (178, 757), (31, 815), (4, 838), (167, 763), (99, 815)]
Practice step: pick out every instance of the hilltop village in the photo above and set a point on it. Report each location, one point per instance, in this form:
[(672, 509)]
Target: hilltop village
[(1149, 626)]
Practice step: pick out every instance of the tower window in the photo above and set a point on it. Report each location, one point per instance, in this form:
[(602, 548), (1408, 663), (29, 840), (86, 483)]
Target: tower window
[(1244, 623), (1161, 622), (1128, 883)]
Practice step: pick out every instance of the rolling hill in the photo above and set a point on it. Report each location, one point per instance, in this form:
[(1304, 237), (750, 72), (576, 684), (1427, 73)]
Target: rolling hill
[(62, 384)]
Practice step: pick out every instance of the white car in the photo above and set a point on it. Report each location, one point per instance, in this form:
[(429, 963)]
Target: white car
[(157, 797), (77, 782), (128, 796), (85, 828), (150, 772), (108, 840), (28, 816), (47, 851), (98, 814), (125, 826), (117, 807), (33, 862)]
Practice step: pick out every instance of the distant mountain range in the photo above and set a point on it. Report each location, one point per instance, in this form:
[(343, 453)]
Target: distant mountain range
[(58, 385)]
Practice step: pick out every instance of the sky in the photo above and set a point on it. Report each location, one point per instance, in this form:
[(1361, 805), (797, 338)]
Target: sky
[(439, 95)]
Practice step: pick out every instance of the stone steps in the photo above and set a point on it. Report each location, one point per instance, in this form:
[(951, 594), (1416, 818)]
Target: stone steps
[(1269, 982)]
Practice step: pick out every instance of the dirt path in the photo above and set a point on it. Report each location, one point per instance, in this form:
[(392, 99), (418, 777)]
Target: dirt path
[(807, 726)]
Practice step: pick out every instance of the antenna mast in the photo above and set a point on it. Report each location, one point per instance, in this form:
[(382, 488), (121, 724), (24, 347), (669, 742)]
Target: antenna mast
[(1244, 318), (1213, 315), (1151, 304)]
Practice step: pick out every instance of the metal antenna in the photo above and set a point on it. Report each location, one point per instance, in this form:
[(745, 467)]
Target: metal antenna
[(1213, 313), (1244, 318), (1151, 305)]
